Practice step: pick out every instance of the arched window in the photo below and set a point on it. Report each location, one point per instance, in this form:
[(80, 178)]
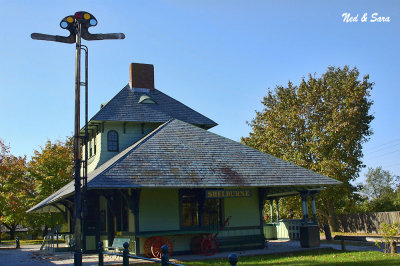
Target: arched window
[(112, 140)]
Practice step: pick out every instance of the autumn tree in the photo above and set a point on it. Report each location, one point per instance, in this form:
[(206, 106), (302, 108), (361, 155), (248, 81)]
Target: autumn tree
[(51, 168), (16, 189), (321, 125)]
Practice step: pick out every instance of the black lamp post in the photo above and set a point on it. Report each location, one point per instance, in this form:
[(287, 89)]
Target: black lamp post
[(78, 25)]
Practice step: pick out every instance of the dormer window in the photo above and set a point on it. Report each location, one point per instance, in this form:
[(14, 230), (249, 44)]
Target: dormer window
[(146, 99), (112, 140)]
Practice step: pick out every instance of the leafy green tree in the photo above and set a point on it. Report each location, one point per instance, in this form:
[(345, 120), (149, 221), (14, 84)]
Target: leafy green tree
[(16, 189), (380, 191), (51, 168), (320, 125), (378, 182)]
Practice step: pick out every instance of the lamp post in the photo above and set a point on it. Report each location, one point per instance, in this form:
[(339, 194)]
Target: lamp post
[(78, 25)]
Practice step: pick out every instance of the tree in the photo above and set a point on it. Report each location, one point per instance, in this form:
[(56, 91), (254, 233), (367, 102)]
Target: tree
[(380, 190), (51, 168), (378, 182), (16, 188), (320, 125)]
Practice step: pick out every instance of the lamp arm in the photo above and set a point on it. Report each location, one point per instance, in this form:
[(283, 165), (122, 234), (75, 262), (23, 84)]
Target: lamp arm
[(96, 37), (54, 38)]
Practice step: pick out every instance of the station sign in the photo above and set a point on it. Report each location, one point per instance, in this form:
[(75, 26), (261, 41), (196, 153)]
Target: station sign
[(232, 193)]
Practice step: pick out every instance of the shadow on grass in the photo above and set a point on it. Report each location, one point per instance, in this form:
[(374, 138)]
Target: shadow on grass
[(327, 256)]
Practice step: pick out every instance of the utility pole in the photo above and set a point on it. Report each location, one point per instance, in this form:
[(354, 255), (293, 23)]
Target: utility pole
[(78, 25)]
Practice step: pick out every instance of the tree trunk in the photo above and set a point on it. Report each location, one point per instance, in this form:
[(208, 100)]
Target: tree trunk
[(34, 234), (332, 218), (45, 230), (327, 230), (12, 233), (393, 247), (11, 230)]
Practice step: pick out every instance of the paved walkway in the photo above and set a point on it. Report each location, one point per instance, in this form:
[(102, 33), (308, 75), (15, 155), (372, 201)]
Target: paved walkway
[(30, 255)]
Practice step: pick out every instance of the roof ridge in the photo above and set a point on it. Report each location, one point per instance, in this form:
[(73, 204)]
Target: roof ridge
[(109, 101), (216, 124), (125, 107)]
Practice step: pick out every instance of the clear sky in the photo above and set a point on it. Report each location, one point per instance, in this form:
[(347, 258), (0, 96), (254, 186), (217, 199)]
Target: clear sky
[(218, 57)]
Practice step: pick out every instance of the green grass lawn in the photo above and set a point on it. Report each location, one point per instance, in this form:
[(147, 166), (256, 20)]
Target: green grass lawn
[(352, 234), (312, 257), (22, 242)]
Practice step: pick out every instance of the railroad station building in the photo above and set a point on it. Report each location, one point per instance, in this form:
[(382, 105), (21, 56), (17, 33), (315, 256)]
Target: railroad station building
[(155, 170)]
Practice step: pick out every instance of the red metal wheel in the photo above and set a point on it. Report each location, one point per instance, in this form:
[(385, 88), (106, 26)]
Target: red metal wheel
[(158, 243), (195, 244), (147, 247), (209, 246)]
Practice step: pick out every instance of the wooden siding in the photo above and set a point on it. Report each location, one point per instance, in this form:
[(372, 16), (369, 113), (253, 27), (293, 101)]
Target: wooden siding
[(159, 210), (244, 211)]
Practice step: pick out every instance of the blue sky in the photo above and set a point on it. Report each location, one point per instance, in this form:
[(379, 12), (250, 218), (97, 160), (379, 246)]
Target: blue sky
[(218, 57)]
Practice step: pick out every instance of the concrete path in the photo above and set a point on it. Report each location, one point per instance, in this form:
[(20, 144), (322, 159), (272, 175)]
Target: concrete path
[(24, 256), (31, 255)]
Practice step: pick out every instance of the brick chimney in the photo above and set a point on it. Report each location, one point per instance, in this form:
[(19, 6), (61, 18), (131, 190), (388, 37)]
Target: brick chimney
[(141, 76)]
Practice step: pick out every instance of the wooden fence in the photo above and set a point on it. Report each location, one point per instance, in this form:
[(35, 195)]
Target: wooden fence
[(366, 222)]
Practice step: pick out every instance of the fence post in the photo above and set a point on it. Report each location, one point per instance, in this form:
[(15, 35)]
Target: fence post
[(17, 242), (100, 249), (125, 258), (233, 259), (343, 244), (165, 255), (393, 247), (57, 237)]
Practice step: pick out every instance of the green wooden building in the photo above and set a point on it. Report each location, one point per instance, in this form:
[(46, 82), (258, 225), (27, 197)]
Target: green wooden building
[(154, 169)]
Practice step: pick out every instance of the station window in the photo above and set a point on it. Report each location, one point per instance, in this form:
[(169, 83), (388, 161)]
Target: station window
[(212, 213), (112, 140), (90, 149), (199, 212), (190, 210)]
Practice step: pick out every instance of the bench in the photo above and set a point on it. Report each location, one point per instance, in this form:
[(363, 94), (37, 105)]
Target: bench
[(241, 242), (118, 244)]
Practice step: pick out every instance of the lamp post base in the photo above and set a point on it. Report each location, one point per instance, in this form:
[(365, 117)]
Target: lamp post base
[(78, 258), (309, 236)]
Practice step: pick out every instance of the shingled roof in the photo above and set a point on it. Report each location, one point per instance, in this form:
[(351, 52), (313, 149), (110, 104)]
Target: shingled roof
[(178, 155), (127, 106)]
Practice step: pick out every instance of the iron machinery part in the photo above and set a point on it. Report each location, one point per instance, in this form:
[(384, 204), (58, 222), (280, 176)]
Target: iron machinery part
[(209, 246), (158, 243), (195, 244)]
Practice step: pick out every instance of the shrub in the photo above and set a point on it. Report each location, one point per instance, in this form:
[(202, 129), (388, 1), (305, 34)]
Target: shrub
[(389, 231)]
